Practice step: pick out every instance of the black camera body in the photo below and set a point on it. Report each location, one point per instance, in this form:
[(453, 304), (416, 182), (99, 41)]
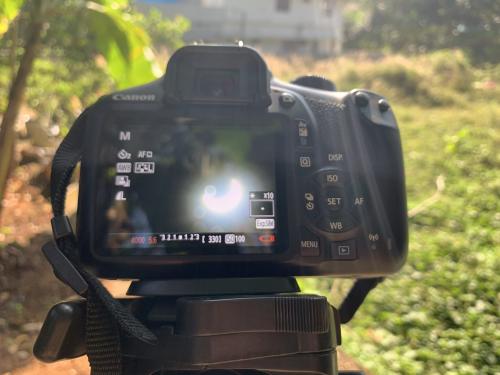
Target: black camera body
[(219, 170)]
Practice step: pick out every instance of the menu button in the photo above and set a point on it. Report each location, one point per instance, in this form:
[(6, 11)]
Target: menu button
[(309, 244)]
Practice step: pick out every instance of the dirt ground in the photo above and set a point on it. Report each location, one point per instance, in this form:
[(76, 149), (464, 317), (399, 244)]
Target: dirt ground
[(28, 287)]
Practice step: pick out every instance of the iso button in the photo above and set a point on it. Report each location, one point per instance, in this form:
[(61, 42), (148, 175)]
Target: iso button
[(330, 178)]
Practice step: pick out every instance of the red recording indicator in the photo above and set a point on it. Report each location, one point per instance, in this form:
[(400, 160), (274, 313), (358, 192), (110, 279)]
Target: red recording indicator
[(267, 239)]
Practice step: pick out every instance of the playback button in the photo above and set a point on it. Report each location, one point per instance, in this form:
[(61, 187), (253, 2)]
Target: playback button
[(345, 250)]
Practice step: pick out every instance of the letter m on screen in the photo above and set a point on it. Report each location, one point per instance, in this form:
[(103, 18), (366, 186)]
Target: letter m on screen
[(124, 136)]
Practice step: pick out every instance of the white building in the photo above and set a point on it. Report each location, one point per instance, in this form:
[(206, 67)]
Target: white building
[(280, 26)]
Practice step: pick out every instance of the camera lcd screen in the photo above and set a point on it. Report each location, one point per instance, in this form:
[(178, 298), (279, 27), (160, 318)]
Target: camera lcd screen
[(187, 186)]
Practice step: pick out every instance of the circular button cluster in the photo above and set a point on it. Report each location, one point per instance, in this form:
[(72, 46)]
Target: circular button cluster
[(328, 201)]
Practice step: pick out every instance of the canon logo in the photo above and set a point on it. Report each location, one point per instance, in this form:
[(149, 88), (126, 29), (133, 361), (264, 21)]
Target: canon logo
[(135, 97)]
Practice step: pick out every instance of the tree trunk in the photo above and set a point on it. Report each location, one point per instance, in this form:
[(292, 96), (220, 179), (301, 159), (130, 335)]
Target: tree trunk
[(16, 97)]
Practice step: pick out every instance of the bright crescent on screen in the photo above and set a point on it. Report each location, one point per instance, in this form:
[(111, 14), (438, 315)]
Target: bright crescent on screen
[(224, 203)]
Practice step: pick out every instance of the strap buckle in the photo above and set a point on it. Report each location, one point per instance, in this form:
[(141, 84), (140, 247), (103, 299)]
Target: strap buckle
[(61, 227), (63, 269)]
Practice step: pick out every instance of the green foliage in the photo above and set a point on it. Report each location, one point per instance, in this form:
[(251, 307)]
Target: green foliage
[(424, 25), (440, 314), (62, 91), (122, 42), (80, 30), (446, 320), (9, 9), (165, 33), (439, 78), (108, 48)]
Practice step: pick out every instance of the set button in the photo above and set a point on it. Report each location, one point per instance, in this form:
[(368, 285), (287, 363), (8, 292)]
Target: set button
[(324, 202), (334, 199)]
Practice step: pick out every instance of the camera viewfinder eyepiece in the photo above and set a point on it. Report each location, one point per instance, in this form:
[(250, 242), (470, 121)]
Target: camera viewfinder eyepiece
[(217, 75)]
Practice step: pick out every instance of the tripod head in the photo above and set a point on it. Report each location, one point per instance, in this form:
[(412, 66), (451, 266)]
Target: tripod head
[(211, 326)]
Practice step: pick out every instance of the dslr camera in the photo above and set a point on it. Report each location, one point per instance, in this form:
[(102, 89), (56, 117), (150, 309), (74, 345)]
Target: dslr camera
[(220, 170), (216, 184)]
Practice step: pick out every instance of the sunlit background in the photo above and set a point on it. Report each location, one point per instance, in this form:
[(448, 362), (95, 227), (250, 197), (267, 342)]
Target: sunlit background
[(437, 62)]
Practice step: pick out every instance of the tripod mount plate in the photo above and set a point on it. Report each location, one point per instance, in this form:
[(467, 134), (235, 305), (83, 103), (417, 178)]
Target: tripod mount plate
[(213, 287)]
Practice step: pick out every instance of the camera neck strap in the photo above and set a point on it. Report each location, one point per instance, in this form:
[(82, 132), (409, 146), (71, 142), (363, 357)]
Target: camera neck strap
[(106, 317)]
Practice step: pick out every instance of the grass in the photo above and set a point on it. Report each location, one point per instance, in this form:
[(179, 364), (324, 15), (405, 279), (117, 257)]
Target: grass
[(441, 313)]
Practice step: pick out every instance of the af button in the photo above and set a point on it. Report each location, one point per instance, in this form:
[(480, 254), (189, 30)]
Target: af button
[(359, 201)]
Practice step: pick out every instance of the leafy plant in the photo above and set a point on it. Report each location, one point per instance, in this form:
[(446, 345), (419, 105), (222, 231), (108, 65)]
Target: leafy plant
[(109, 27), (166, 34), (9, 9), (418, 26)]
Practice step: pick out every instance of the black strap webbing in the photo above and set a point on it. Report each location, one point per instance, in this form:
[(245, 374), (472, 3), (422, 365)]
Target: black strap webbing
[(102, 339), (106, 317), (355, 297)]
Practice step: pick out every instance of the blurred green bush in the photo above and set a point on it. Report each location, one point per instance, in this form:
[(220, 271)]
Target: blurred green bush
[(441, 78)]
